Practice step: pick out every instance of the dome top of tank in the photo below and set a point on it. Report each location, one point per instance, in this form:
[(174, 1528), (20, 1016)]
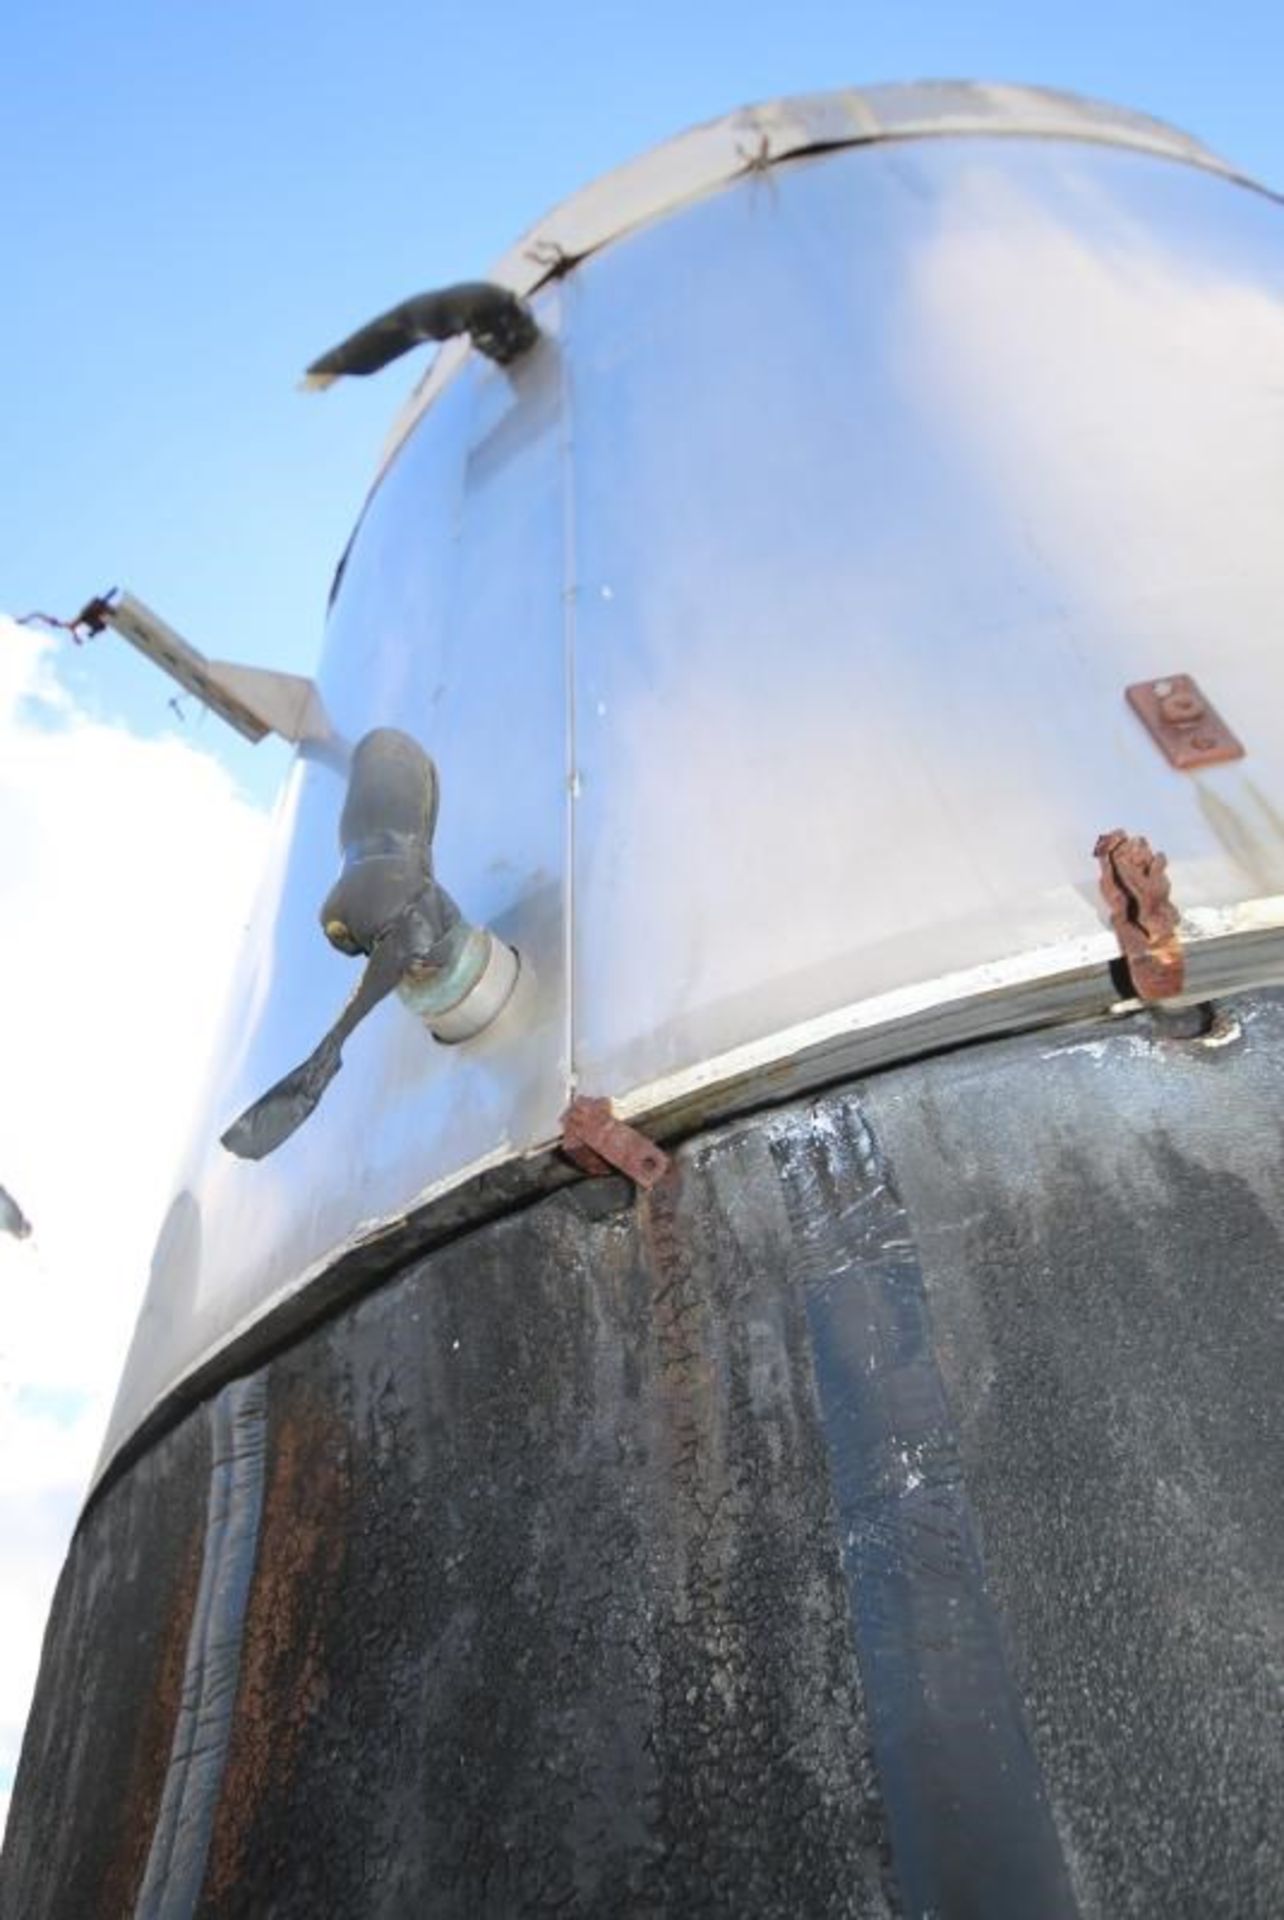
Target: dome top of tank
[(754, 138)]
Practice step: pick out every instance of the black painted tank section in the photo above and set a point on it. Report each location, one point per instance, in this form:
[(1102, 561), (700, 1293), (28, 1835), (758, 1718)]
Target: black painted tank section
[(883, 1516), (1100, 1222), (98, 1744)]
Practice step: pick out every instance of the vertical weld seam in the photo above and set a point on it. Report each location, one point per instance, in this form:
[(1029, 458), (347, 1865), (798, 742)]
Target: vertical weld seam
[(968, 1815), (182, 1739), (176, 1860), (570, 592)]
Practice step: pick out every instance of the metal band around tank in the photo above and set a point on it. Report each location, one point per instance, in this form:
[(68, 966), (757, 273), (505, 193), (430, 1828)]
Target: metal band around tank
[(1231, 951), (755, 137)]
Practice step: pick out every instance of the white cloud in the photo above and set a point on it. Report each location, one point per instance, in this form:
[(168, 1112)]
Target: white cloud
[(126, 872)]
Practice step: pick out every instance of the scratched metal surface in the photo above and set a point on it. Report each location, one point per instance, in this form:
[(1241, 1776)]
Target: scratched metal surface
[(771, 625), (1100, 1221), (880, 1515)]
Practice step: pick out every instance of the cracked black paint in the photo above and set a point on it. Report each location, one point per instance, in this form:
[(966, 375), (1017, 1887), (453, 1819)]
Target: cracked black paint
[(550, 1612)]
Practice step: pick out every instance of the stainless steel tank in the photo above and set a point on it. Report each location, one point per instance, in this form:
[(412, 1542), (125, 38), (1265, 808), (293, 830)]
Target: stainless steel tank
[(770, 624)]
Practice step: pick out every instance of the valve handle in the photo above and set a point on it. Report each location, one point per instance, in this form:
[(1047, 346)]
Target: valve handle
[(388, 905), (385, 836)]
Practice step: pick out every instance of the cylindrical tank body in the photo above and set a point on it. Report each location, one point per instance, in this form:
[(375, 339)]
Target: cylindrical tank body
[(879, 1514)]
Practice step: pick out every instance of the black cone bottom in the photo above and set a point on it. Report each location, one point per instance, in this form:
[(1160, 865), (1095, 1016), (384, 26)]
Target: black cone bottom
[(882, 1516)]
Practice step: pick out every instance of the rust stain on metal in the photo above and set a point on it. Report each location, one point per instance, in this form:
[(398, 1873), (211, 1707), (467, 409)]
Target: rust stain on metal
[(91, 619), (690, 1442), (598, 1143), (283, 1678), (1134, 884), (1178, 717), (153, 1739)]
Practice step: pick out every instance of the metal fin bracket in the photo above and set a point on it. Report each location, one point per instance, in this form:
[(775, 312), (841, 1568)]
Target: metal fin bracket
[(255, 701)]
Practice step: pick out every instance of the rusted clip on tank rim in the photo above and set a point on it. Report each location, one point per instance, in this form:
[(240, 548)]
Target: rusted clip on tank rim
[(598, 1143), (1134, 884)]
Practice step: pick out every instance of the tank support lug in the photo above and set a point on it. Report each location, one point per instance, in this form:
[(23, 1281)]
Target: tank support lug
[(598, 1143)]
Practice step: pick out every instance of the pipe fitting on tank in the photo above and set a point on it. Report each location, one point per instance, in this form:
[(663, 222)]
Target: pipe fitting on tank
[(458, 992), (388, 905), (457, 977)]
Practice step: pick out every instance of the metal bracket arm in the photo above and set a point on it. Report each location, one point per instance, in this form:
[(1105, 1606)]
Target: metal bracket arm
[(255, 701), (598, 1143)]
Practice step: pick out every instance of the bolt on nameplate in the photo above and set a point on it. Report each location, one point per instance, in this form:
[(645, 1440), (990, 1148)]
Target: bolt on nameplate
[(598, 1143), (1177, 716)]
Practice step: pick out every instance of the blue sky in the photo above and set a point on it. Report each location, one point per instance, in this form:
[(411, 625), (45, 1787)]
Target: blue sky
[(200, 197)]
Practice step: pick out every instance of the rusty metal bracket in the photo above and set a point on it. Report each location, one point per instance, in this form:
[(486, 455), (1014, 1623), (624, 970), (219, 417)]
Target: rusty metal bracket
[(1134, 884), (1179, 719), (91, 619), (598, 1143)]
